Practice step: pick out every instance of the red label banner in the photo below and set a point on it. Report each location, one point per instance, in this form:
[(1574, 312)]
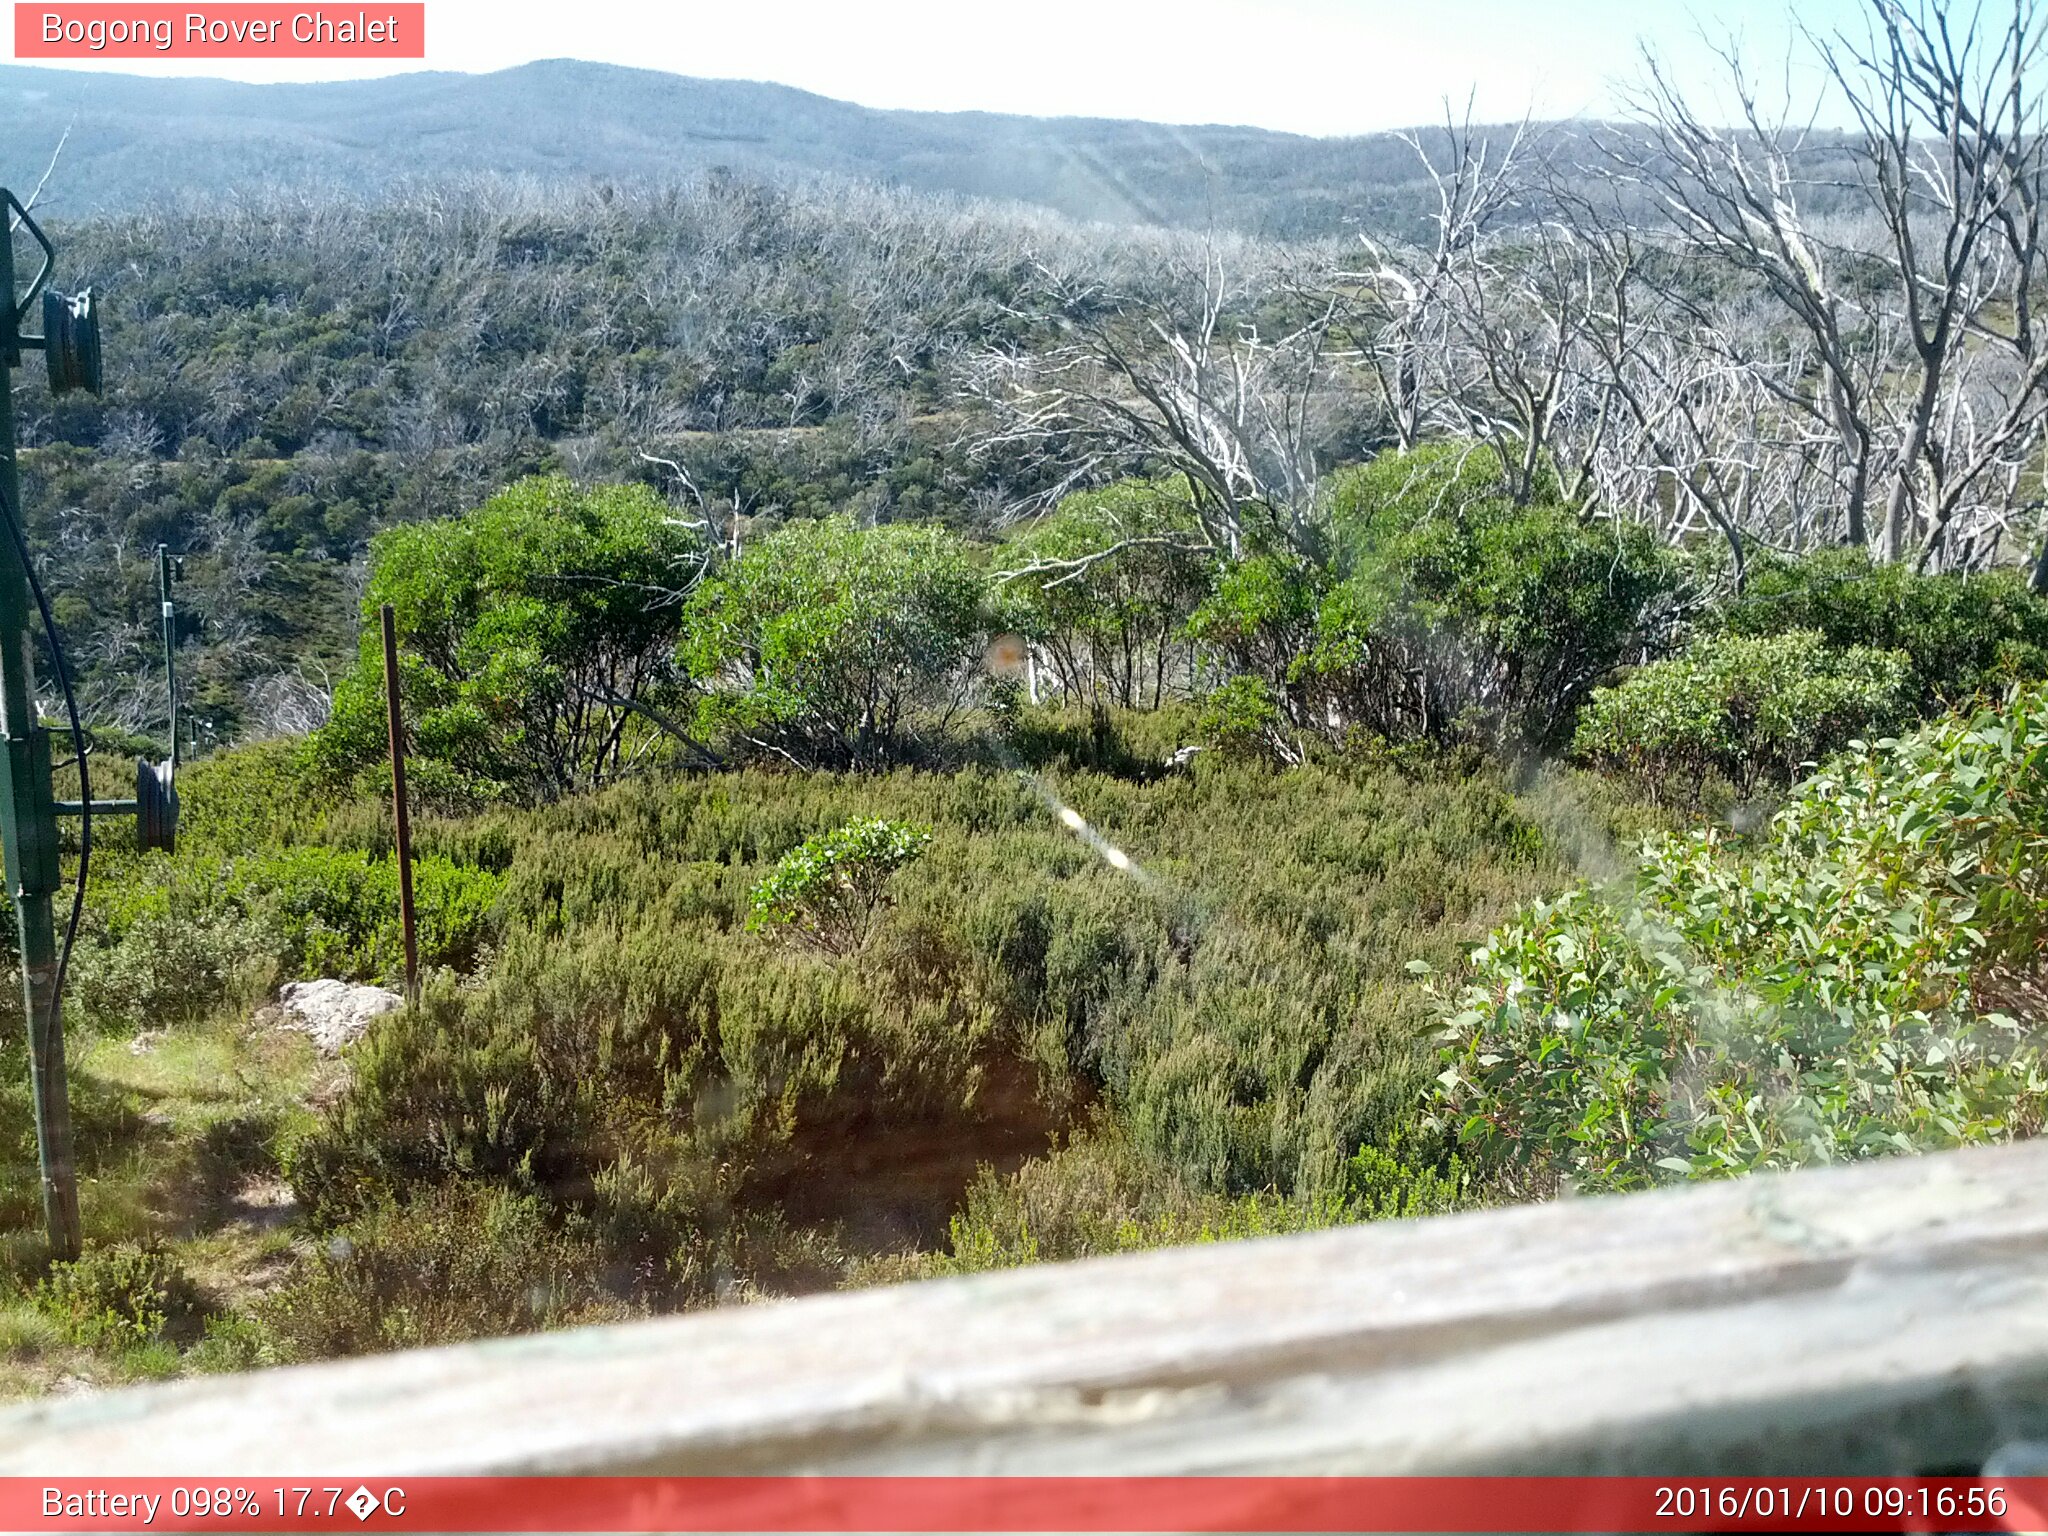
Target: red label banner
[(224, 31), (1018, 1504)]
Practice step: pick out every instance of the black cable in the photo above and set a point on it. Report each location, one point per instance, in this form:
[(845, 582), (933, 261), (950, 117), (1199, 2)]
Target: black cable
[(28, 568)]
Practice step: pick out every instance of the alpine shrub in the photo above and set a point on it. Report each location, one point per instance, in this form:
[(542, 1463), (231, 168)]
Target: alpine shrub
[(1750, 709), (829, 890), (1835, 994)]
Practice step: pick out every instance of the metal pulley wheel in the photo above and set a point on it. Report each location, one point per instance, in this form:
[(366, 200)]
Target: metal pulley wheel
[(156, 806), (71, 342)]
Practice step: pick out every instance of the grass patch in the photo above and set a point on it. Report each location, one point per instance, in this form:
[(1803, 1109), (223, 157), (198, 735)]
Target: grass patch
[(174, 1130)]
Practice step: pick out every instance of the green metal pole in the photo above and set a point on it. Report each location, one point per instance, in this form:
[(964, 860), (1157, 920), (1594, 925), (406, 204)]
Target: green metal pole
[(170, 613), (28, 828)]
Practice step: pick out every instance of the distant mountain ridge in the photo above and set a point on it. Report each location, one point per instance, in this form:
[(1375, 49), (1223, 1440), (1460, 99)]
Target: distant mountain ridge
[(136, 140)]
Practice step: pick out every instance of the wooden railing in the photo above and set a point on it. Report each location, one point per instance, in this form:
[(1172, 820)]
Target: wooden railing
[(1886, 1318)]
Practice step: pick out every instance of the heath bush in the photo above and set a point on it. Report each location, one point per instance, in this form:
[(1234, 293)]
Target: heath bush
[(1752, 710), (1965, 637), (121, 1295), (458, 1262), (1832, 994)]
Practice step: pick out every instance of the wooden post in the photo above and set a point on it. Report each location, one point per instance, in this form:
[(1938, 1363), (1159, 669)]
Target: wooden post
[(401, 815)]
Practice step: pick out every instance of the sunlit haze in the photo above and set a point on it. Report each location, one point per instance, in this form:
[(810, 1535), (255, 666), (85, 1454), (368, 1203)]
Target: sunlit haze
[(1309, 66)]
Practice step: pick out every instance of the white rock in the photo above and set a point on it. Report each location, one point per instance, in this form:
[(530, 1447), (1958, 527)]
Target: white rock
[(334, 1012)]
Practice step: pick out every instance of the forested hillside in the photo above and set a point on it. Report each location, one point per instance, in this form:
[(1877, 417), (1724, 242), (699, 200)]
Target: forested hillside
[(136, 142), (288, 376), (943, 736)]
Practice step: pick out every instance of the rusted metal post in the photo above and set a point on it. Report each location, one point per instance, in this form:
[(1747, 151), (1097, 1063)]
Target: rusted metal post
[(400, 813)]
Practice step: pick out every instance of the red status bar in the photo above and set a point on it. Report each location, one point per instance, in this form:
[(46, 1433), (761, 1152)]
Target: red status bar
[(1015, 1504), (235, 29)]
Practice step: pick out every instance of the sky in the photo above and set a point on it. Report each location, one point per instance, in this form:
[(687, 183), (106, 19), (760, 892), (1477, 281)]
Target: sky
[(1308, 66)]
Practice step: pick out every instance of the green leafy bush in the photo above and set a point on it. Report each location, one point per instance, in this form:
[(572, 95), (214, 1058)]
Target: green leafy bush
[(828, 890), (174, 939), (1834, 995), (826, 644), (252, 796), (1110, 577), (119, 1296), (1387, 1183), (334, 911), (1242, 719), (532, 631), (1450, 610), (1099, 1195), (1966, 637), (1751, 710), (230, 1342)]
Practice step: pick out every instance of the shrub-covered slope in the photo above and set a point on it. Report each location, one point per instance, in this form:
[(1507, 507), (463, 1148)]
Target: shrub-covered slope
[(653, 1106)]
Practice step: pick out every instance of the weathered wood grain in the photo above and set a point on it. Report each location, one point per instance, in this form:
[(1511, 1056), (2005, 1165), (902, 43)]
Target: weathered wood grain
[(1891, 1317)]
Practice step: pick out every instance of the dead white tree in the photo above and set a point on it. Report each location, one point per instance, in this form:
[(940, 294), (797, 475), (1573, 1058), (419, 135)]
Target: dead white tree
[(1214, 370), (1736, 197), (1952, 163), (1921, 385), (1407, 301), (1523, 362)]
